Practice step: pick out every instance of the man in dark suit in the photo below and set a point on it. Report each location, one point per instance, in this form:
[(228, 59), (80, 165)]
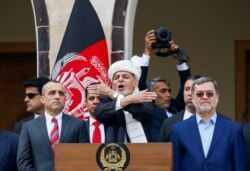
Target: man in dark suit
[(207, 140), (164, 105), (33, 91), (182, 115), (246, 133), (8, 150), (106, 133), (129, 112), (38, 136)]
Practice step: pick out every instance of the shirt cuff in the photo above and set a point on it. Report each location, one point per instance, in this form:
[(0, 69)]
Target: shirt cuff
[(145, 60), (182, 67), (118, 102)]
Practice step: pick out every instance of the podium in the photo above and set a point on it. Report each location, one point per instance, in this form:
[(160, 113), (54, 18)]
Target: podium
[(143, 157)]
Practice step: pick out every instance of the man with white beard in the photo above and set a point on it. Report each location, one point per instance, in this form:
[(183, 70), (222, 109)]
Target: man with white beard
[(207, 140)]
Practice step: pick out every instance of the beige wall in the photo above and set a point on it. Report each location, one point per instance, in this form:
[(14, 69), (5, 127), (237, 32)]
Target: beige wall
[(17, 23), (206, 30)]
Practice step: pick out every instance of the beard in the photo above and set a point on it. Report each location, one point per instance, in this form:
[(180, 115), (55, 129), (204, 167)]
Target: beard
[(204, 109)]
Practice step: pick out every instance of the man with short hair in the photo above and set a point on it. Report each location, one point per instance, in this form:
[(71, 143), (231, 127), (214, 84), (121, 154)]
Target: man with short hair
[(207, 140), (129, 112), (33, 91), (164, 105), (39, 136), (182, 115)]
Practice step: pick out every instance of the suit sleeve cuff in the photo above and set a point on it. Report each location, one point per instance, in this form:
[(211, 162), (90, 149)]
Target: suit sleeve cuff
[(118, 102), (145, 60), (182, 67)]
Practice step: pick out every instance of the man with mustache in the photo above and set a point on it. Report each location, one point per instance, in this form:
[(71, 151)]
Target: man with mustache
[(164, 105), (129, 112), (182, 115), (98, 132), (207, 140)]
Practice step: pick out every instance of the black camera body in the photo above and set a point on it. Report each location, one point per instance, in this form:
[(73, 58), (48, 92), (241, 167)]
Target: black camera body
[(163, 37)]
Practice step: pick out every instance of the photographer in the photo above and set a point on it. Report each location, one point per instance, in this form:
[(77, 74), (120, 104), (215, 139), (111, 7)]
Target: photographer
[(164, 105)]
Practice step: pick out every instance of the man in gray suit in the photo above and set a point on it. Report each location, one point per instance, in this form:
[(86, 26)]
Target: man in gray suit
[(35, 148)]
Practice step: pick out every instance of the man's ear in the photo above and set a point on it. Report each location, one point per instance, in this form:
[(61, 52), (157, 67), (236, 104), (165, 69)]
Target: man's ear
[(136, 84), (42, 99)]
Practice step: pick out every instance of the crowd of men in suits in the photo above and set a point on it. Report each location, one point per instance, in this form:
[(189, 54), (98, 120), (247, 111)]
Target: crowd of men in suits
[(132, 111)]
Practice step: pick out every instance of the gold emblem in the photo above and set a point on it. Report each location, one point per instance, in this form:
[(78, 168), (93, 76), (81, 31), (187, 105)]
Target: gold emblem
[(113, 157)]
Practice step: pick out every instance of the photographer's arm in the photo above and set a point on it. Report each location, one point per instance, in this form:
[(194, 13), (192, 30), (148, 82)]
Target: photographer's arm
[(184, 73), (149, 39)]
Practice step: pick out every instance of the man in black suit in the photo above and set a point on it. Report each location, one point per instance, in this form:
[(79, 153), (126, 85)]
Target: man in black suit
[(182, 115), (246, 133), (93, 95), (129, 112), (33, 92), (38, 136), (8, 150), (164, 105)]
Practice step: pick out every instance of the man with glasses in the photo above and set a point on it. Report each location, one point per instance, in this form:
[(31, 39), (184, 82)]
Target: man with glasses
[(164, 105), (207, 140), (33, 91)]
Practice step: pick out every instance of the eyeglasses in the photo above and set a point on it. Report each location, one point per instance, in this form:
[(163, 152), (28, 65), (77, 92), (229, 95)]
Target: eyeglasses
[(31, 95), (201, 94)]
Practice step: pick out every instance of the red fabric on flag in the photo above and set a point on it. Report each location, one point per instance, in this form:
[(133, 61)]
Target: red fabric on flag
[(82, 57), (54, 135), (97, 133)]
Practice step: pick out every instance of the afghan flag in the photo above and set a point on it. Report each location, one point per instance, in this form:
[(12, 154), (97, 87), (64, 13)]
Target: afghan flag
[(82, 57)]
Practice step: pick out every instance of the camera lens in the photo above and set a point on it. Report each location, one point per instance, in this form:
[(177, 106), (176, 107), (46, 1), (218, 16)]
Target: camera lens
[(163, 35)]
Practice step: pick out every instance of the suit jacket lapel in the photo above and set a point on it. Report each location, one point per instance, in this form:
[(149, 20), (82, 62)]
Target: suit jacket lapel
[(218, 132), (194, 131), (41, 125), (65, 127)]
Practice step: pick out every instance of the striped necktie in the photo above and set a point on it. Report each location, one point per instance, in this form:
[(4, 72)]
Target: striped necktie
[(54, 135)]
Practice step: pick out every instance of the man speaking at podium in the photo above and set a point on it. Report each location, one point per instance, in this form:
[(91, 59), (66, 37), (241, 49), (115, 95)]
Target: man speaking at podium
[(129, 112)]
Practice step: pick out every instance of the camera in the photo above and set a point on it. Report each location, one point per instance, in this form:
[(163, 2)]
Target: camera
[(163, 38), (161, 46)]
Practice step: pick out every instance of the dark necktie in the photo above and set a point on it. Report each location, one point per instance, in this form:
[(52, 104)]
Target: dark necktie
[(97, 133), (54, 135)]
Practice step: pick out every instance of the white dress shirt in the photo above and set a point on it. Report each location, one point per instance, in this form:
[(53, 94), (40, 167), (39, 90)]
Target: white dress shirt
[(92, 128), (187, 114)]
